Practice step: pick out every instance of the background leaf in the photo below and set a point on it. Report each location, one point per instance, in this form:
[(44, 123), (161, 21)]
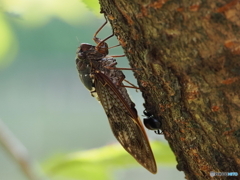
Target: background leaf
[(97, 163), (8, 48), (93, 5)]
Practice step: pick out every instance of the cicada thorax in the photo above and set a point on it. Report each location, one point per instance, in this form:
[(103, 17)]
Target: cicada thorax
[(91, 60), (107, 66), (86, 54), (102, 47)]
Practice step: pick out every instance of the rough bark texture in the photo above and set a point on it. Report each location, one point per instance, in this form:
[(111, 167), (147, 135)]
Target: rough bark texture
[(189, 56)]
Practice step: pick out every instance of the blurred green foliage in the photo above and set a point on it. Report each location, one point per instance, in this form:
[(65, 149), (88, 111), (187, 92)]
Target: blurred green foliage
[(97, 163), (93, 5), (8, 47)]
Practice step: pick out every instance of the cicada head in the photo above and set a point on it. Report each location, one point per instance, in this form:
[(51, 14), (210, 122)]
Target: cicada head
[(83, 65), (83, 50)]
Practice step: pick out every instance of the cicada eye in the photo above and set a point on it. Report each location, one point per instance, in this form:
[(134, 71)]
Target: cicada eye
[(81, 54), (85, 47), (81, 66)]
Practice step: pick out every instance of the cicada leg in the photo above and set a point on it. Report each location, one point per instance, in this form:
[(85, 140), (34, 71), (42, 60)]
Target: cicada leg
[(102, 46), (117, 56), (112, 66), (114, 46), (133, 86), (109, 67), (119, 83), (97, 40)]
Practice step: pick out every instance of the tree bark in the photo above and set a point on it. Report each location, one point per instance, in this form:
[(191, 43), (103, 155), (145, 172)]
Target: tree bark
[(188, 53)]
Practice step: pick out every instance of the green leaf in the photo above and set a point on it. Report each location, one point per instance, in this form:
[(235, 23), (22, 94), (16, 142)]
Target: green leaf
[(93, 5), (97, 163), (8, 48)]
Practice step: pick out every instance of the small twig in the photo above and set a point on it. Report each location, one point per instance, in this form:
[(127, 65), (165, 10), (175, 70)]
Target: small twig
[(18, 151)]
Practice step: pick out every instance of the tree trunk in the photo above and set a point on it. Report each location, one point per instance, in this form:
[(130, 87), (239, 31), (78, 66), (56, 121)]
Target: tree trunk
[(188, 56)]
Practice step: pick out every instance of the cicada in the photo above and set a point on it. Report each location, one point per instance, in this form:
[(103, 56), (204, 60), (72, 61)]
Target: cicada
[(99, 74)]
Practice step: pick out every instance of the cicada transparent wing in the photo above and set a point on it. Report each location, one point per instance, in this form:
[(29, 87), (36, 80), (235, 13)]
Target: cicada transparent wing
[(125, 123)]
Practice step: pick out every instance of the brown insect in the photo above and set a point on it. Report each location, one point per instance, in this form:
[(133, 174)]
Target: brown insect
[(99, 74)]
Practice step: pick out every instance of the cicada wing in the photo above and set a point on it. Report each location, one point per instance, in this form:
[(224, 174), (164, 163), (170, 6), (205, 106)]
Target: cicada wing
[(125, 124)]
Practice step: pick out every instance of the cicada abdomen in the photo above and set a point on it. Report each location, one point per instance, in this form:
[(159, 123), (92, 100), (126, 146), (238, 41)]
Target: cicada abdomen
[(99, 74)]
